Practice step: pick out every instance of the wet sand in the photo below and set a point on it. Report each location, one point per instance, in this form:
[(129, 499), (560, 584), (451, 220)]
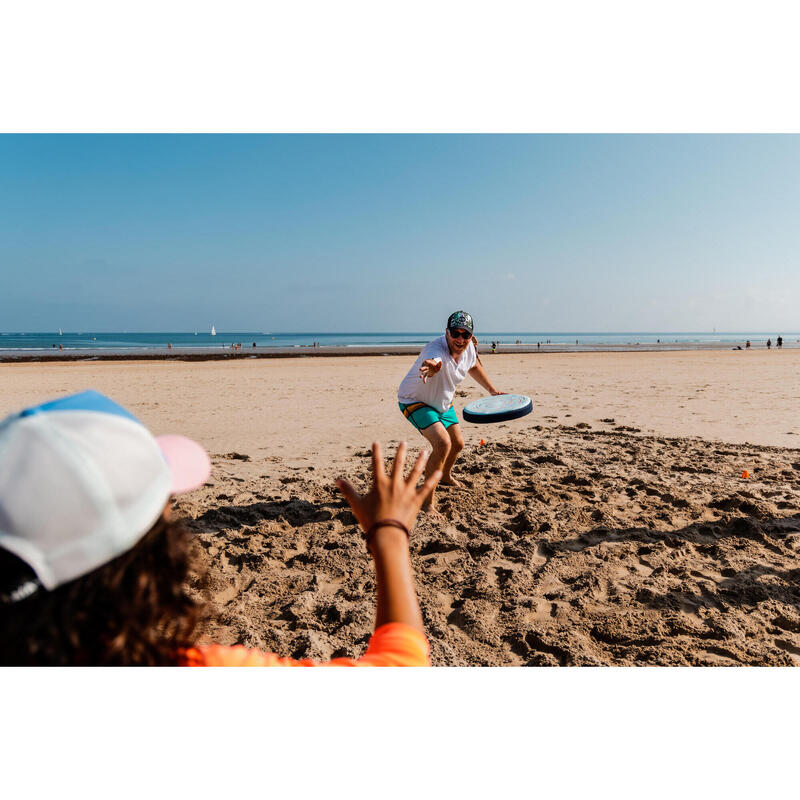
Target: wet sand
[(611, 526)]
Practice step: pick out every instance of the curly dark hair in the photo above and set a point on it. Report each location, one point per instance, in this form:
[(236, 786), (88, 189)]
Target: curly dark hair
[(133, 611)]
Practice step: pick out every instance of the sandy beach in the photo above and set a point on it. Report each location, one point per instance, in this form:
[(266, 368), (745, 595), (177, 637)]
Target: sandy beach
[(610, 527)]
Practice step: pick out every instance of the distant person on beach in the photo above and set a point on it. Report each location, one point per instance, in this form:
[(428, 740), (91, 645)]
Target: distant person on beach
[(426, 394), (769, 344), (93, 566), (747, 344), (779, 342), (494, 347)]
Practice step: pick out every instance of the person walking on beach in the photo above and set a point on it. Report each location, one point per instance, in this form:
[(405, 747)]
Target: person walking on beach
[(769, 344), (425, 395), (93, 566), (779, 342)]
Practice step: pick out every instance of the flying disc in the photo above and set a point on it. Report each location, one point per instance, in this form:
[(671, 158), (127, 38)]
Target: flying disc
[(498, 408)]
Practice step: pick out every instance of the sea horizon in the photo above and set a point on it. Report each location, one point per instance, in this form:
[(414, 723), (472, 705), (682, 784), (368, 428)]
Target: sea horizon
[(157, 341)]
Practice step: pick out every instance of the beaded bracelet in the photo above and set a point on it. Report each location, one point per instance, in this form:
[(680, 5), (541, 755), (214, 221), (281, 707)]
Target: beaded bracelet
[(384, 523)]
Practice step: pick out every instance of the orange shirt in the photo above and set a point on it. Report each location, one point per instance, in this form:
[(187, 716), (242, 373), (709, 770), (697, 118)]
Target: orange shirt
[(392, 645)]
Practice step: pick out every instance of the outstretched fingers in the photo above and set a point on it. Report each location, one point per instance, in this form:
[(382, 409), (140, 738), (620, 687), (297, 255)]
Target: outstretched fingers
[(378, 469), (394, 497), (399, 462), (355, 501), (348, 490), (429, 485), (419, 465)]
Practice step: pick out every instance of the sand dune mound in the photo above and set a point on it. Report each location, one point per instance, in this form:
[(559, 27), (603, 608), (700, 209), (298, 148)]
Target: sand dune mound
[(569, 546)]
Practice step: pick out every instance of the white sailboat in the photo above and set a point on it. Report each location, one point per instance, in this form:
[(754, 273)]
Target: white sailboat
[(60, 333), (213, 331)]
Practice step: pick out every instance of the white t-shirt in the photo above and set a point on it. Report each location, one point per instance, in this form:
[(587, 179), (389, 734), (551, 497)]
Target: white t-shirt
[(439, 390)]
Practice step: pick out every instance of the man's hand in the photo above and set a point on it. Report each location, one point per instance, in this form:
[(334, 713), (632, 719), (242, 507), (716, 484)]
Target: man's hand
[(429, 368)]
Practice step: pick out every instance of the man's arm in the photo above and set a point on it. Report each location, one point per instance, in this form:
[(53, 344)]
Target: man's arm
[(479, 373)]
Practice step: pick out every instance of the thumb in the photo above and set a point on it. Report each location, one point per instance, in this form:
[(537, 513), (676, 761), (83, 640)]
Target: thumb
[(349, 491)]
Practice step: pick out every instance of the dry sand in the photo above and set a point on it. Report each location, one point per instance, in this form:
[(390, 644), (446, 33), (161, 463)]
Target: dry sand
[(611, 526)]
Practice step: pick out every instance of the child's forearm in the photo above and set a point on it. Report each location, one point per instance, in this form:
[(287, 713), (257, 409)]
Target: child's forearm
[(397, 598)]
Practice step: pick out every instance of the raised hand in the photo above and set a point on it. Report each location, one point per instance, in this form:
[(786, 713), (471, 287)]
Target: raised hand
[(429, 368), (391, 496)]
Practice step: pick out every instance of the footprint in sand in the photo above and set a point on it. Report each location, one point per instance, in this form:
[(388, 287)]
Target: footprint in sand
[(541, 555), (724, 657), (789, 647), (440, 562)]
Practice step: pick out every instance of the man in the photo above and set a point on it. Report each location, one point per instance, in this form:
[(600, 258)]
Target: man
[(426, 394)]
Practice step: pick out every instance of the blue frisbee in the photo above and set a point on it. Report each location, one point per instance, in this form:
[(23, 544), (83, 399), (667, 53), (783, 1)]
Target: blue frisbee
[(498, 408)]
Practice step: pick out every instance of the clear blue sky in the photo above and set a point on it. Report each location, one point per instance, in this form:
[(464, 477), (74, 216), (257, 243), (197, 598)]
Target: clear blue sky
[(391, 233)]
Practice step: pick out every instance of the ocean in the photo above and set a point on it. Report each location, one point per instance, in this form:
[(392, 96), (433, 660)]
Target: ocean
[(122, 342)]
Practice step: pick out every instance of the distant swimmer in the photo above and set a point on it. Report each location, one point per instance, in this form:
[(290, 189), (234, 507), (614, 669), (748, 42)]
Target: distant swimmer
[(426, 394)]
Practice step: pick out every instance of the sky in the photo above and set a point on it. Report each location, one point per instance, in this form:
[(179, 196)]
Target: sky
[(345, 233)]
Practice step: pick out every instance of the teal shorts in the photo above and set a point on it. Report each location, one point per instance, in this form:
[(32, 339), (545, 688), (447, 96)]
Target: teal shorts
[(422, 416)]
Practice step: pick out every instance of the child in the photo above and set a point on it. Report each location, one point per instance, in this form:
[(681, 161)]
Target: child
[(93, 567)]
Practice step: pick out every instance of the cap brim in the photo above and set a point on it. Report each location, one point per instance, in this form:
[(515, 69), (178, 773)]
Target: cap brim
[(188, 462)]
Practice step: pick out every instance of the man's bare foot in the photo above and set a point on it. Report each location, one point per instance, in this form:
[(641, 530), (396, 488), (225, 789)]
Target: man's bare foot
[(451, 481), (431, 510)]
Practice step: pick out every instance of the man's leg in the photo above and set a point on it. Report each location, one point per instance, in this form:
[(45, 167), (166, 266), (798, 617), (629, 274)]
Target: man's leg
[(437, 435), (456, 446)]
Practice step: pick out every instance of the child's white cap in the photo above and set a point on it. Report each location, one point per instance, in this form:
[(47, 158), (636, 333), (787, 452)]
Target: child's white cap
[(82, 480)]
